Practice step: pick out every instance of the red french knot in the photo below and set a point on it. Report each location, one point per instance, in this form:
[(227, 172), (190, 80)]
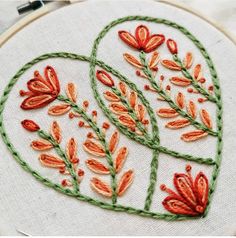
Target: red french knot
[(191, 197), (30, 125), (142, 40), (41, 91)]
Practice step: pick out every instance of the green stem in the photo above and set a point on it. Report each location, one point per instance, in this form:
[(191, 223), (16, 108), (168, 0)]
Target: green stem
[(101, 138), (194, 83), (62, 155), (168, 99)]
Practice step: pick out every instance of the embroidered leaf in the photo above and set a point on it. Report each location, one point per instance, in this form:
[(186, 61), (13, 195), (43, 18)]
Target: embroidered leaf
[(154, 60), (167, 113), (140, 111), (153, 42), (180, 123), (56, 132), (188, 60), (118, 108), (71, 92), (71, 150), (133, 99), (193, 135), (120, 158), (180, 81), (111, 96), (104, 78), (101, 187), (171, 65), (142, 35), (30, 125), (97, 167), (51, 161), (41, 144), (114, 141), (125, 182), (59, 109), (197, 72), (133, 61), (192, 109), (128, 121), (94, 148), (172, 46), (123, 88), (180, 100), (206, 119)]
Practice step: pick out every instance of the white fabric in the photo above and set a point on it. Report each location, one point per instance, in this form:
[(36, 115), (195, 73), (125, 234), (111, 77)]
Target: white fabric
[(38, 210)]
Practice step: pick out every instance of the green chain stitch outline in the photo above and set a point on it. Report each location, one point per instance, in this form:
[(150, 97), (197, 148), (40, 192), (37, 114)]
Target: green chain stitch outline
[(95, 202), (209, 62)]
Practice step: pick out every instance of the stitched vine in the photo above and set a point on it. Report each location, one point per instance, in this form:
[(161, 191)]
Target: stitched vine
[(153, 142)]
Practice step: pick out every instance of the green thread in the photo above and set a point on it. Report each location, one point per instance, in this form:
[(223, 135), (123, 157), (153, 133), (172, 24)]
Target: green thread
[(154, 144)]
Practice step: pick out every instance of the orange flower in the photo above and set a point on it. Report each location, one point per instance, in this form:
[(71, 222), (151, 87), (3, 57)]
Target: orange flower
[(41, 91), (192, 194), (142, 40)]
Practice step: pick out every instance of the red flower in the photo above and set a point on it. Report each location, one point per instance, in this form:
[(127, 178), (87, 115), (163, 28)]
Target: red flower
[(192, 195), (172, 46), (30, 125), (41, 91), (142, 39)]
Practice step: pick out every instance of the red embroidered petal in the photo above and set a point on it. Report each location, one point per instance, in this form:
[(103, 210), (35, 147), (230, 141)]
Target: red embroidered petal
[(71, 149), (154, 60), (38, 101), (97, 167), (172, 46), (105, 78), (128, 121), (128, 39), (180, 123), (56, 132), (120, 158), (176, 205), (188, 60), (125, 182), (38, 86), (114, 141), (184, 185), (111, 96), (59, 109), (201, 188), (123, 88), (206, 119), (51, 77), (180, 100), (142, 35), (133, 61), (180, 81), (167, 113), (193, 135), (153, 42), (30, 125), (171, 65), (192, 109), (41, 145), (101, 187), (140, 111), (71, 92), (133, 99), (118, 108), (51, 161), (197, 72), (94, 148)]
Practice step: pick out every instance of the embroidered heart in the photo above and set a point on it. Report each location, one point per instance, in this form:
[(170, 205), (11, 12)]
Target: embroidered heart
[(126, 107)]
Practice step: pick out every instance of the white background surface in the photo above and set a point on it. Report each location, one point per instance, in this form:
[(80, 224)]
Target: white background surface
[(48, 212)]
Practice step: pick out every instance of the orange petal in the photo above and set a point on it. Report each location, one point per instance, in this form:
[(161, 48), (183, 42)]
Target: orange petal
[(101, 187), (71, 92), (128, 121), (114, 141), (132, 60), (172, 46), (38, 101), (97, 167), (180, 123), (188, 60), (142, 35), (111, 96), (59, 109), (39, 86), (154, 60), (180, 100), (94, 148), (56, 132), (180, 81), (71, 149), (133, 99), (120, 158), (167, 113), (123, 88), (153, 42), (140, 111), (193, 135), (30, 125), (51, 161), (206, 119), (197, 72), (41, 145), (192, 109), (201, 188), (118, 108), (128, 39), (171, 65), (105, 78), (125, 182), (51, 78)]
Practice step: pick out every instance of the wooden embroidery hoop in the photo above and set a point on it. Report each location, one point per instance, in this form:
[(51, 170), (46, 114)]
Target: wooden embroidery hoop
[(5, 36)]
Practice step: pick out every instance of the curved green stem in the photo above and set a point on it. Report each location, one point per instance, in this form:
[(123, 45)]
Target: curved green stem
[(62, 155), (194, 83), (101, 138), (168, 99)]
